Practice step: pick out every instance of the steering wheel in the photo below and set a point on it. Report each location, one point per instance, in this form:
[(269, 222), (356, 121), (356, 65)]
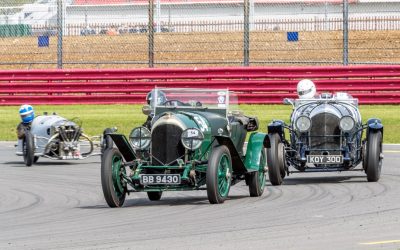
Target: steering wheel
[(174, 103)]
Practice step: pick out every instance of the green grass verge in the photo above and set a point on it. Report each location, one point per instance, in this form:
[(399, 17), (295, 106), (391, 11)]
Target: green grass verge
[(96, 118)]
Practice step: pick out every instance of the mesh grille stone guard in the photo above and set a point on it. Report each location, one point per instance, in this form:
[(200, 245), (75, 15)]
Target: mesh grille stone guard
[(325, 133), (166, 144)]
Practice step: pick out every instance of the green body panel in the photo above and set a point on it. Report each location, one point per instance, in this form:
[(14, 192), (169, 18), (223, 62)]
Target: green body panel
[(215, 121), (253, 152), (194, 120), (238, 136)]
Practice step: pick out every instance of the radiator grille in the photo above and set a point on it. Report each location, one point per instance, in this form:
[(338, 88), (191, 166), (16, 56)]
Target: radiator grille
[(325, 132), (166, 144)]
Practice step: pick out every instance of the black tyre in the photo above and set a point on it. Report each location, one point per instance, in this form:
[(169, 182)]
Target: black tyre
[(154, 196), (374, 156), (114, 187), (219, 174), (276, 160), (28, 149), (257, 179), (364, 155), (107, 141)]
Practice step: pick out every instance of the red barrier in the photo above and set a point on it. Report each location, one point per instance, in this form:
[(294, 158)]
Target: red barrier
[(372, 84)]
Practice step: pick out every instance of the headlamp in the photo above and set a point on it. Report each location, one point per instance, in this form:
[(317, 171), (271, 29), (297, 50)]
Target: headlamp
[(192, 138), (346, 123), (140, 138), (303, 124)]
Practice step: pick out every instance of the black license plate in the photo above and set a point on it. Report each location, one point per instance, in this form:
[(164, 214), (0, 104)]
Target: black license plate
[(160, 179), (325, 159)]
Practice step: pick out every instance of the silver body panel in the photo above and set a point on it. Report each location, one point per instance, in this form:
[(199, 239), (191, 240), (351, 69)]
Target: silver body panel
[(336, 106)]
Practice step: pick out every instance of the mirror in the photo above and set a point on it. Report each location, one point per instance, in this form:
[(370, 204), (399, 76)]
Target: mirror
[(288, 101), (237, 113), (146, 109)]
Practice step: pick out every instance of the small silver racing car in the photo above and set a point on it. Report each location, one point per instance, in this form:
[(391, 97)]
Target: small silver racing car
[(57, 138)]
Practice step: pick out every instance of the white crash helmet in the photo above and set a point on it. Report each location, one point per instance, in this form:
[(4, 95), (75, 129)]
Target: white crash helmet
[(306, 89)]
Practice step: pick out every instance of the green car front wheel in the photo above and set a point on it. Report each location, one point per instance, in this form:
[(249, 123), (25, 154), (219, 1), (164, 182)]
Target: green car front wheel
[(112, 182), (219, 174)]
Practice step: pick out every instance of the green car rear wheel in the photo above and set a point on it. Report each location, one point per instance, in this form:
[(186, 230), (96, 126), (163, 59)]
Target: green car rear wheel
[(154, 196), (257, 178)]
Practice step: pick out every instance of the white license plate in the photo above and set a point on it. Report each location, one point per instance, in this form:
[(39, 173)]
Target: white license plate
[(325, 159), (71, 157), (160, 179)]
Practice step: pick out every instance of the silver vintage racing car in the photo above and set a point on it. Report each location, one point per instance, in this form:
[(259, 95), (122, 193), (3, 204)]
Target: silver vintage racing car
[(55, 137), (325, 134)]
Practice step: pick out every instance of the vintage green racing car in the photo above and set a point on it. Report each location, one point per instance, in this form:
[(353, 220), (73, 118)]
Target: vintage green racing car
[(195, 141)]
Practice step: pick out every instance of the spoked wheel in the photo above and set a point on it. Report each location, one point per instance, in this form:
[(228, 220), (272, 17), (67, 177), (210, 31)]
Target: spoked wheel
[(28, 148), (219, 175), (154, 196), (257, 178), (374, 156), (112, 182), (276, 160)]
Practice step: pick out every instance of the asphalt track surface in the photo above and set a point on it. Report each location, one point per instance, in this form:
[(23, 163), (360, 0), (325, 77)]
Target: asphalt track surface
[(60, 205)]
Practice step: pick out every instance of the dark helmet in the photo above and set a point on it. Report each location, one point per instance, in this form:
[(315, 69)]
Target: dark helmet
[(160, 95)]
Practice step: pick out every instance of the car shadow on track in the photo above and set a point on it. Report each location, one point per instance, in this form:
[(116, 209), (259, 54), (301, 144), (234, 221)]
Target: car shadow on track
[(21, 164), (325, 179), (167, 201)]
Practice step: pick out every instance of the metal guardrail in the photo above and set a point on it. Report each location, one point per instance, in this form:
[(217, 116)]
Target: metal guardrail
[(371, 84)]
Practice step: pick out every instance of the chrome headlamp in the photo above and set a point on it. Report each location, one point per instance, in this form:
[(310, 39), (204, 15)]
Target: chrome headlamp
[(192, 138), (347, 123), (140, 138), (303, 123)]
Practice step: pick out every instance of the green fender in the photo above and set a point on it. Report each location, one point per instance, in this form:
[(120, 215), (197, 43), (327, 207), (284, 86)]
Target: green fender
[(253, 152)]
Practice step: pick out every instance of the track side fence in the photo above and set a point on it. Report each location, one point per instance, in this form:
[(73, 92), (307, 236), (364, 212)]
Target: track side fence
[(378, 84)]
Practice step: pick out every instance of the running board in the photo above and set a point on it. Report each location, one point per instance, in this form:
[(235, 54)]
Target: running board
[(322, 170)]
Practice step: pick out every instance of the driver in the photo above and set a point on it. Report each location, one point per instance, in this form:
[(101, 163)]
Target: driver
[(150, 99), (27, 115), (306, 89), (161, 98)]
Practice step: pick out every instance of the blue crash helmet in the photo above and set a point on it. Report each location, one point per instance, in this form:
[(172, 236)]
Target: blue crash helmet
[(27, 113), (161, 98)]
